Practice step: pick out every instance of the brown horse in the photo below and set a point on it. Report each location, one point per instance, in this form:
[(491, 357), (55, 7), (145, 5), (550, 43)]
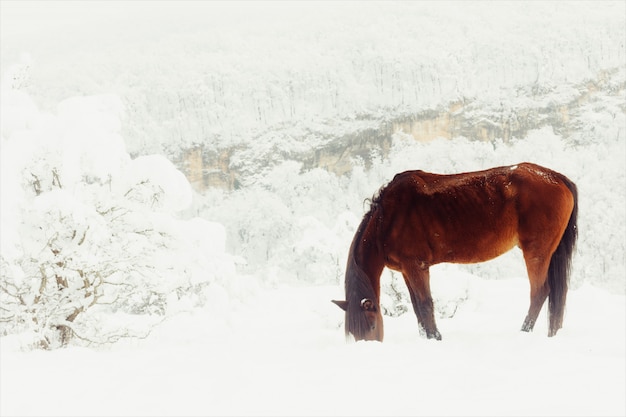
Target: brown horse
[(421, 219)]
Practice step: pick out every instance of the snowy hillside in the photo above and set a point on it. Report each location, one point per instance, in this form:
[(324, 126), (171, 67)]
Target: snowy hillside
[(224, 74), (152, 296)]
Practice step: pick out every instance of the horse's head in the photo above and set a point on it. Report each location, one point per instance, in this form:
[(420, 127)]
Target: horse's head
[(363, 319), (365, 263)]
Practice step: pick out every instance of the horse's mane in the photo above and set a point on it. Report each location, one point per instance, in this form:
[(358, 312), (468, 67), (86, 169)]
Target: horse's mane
[(374, 202), (357, 284)]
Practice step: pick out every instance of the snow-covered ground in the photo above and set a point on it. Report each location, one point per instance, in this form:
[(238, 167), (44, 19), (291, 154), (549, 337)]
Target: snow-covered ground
[(235, 287), (282, 352)]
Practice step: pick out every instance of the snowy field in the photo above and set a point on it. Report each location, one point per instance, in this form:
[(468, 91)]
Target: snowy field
[(282, 352), (219, 303)]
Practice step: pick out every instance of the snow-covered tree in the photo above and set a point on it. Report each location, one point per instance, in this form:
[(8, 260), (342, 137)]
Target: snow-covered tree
[(90, 238)]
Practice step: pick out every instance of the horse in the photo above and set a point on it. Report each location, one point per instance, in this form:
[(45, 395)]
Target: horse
[(421, 219)]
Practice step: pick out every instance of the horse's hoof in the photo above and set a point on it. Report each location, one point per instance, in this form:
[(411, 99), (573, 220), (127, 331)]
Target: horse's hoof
[(434, 335)]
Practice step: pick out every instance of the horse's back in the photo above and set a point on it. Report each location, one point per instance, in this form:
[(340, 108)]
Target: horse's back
[(525, 175)]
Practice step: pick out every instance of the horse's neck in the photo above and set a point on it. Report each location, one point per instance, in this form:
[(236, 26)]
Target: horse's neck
[(365, 254)]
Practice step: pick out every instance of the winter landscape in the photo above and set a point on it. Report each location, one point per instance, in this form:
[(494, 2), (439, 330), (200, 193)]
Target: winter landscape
[(181, 181)]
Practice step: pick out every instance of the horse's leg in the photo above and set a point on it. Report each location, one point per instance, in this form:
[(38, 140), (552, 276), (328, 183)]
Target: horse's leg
[(418, 282), (539, 289)]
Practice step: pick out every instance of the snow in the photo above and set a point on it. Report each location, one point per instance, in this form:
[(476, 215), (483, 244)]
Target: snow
[(282, 353), (219, 304)]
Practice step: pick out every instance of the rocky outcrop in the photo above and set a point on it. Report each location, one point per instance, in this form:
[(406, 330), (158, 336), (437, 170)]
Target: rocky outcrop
[(471, 119)]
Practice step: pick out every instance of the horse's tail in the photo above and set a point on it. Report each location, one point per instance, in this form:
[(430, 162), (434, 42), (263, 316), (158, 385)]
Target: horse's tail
[(560, 265)]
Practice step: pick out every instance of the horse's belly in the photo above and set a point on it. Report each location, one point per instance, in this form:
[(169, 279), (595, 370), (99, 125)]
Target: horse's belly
[(476, 248), (486, 254)]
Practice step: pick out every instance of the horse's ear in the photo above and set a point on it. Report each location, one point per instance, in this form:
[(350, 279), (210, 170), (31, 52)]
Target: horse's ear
[(367, 305), (342, 304)]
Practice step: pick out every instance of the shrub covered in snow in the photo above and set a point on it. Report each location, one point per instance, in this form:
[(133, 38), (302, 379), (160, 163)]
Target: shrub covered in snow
[(89, 233)]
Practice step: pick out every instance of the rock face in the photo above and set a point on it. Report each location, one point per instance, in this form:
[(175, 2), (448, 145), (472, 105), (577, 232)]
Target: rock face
[(206, 167)]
